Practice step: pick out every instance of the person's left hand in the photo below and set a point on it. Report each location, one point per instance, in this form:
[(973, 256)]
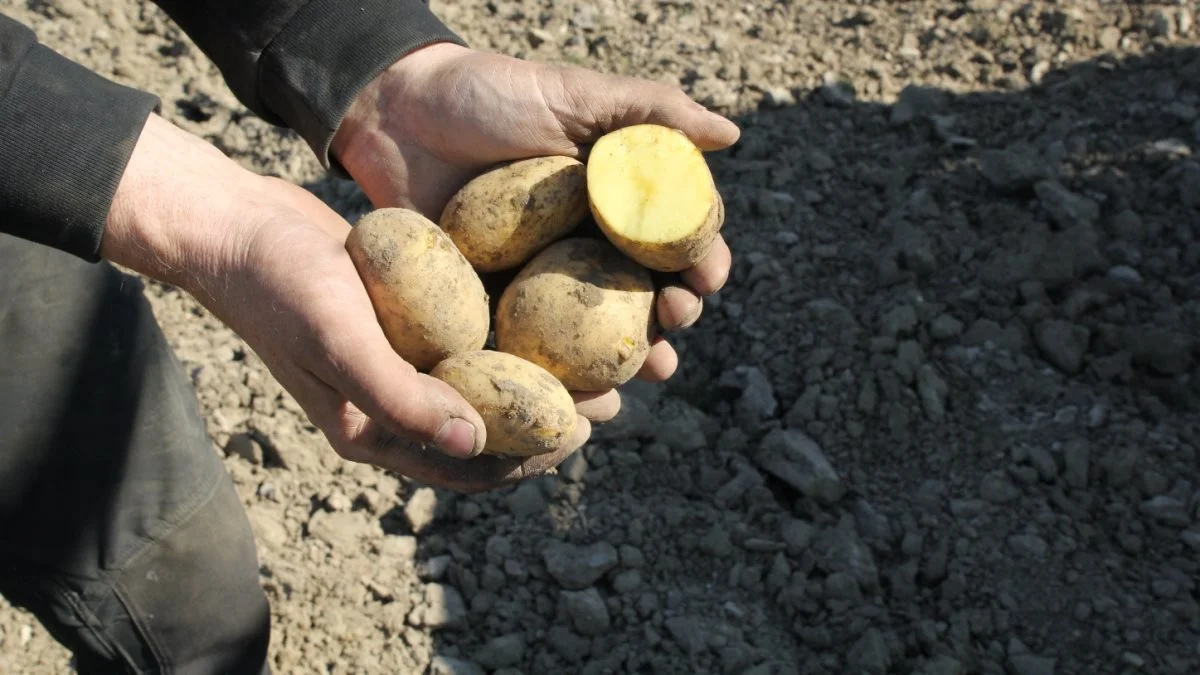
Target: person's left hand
[(444, 113)]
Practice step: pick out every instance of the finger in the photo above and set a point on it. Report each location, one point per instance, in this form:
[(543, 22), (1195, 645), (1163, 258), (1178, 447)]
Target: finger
[(352, 355), (660, 364), (710, 274), (379, 447), (597, 406), (677, 307), (600, 102)]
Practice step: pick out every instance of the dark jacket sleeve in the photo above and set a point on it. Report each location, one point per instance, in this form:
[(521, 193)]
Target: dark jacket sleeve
[(301, 63), (66, 135)]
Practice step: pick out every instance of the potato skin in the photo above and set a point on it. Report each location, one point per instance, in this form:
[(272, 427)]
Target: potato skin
[(581, 310), (429, 302), (674, 256), (525, 410), (503, 217)]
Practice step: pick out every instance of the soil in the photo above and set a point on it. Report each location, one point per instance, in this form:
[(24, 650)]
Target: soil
[(942, 420)]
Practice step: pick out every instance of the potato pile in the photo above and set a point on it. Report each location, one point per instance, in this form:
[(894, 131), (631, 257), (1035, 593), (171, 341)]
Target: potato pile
[(578, 316)]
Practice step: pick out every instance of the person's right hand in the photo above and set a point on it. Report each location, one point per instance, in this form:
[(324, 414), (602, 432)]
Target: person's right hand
[(268, 258)]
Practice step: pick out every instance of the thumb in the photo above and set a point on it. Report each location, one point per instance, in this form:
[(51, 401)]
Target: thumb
[(608, 102), (361, 364)]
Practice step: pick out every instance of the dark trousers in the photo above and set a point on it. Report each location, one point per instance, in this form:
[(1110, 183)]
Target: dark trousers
[(119, 528)]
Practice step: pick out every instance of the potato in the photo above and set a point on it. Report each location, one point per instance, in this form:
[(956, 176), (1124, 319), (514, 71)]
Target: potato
[(500, 219), (429, 302), (581, 310), (653, 196), (525, 410)]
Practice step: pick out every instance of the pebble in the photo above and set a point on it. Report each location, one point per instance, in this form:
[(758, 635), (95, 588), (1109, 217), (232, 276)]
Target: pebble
[(933, 391), (942, 664), (577, 567), (1030, 545), (998, 488), (797, 536), (1167, 510), (1063, 344), (870, 654), (688, 632), (587, 610), (398, 547), (716, 542), (501, 651), (901, 320), (1066, 208), (626, 582), (1043, 462), (526, 500), (575, 465), (1012, 169), (421, 509), (1077, 461), (945, 327), (443, 607), (681, 427), (791, 456)]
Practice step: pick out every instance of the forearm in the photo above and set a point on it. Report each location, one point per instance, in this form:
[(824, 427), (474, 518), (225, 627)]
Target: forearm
[(66, 135), (301, 63)]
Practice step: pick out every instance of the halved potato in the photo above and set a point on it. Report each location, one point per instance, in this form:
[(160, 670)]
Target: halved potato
[(653, 196)]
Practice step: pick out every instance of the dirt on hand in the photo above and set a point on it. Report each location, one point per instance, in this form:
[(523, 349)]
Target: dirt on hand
[(942, 420)]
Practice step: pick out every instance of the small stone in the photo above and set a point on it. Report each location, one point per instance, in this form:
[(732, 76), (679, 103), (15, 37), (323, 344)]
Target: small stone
[(587, 610), (932, 390), (420, 510), (1029, 545), (577, 567), (681, 427), (998, 488), (246, 447), (942, 664), (626, 582), (1013, 169), (716, 542), (443, 608), (401, 547), (1167, 510), (1041, 460), (343, 530), (1077, 460), (526, 500), (945, 327), (796, 459), (1066, 208), (574, 466), (870, 654), (1063, 344), (1109, 38), (901, 320), (688, 633), (448, 665), (501, 651), (797, 536)]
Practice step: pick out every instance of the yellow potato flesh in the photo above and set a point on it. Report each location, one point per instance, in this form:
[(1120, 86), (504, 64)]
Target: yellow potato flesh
[(653, 195)]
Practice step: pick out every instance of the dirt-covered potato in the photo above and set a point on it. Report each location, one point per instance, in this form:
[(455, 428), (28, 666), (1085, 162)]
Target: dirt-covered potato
[(429, 302), (525, 410), (582, 311), (653, 196), (503, 217)]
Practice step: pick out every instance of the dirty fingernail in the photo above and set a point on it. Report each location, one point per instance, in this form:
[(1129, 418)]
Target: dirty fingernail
[(457, 438)]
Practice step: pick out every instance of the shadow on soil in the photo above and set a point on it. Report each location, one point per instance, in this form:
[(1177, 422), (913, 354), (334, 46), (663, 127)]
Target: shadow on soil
[(1008, 209)]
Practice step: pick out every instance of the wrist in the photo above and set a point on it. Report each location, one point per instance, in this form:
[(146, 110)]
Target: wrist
[(170, 216)]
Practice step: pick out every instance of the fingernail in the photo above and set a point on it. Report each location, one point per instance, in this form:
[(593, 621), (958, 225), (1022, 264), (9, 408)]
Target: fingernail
[(457, 438)]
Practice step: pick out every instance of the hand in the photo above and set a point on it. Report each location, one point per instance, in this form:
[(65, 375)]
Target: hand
[(442, 114), (268, 259)]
